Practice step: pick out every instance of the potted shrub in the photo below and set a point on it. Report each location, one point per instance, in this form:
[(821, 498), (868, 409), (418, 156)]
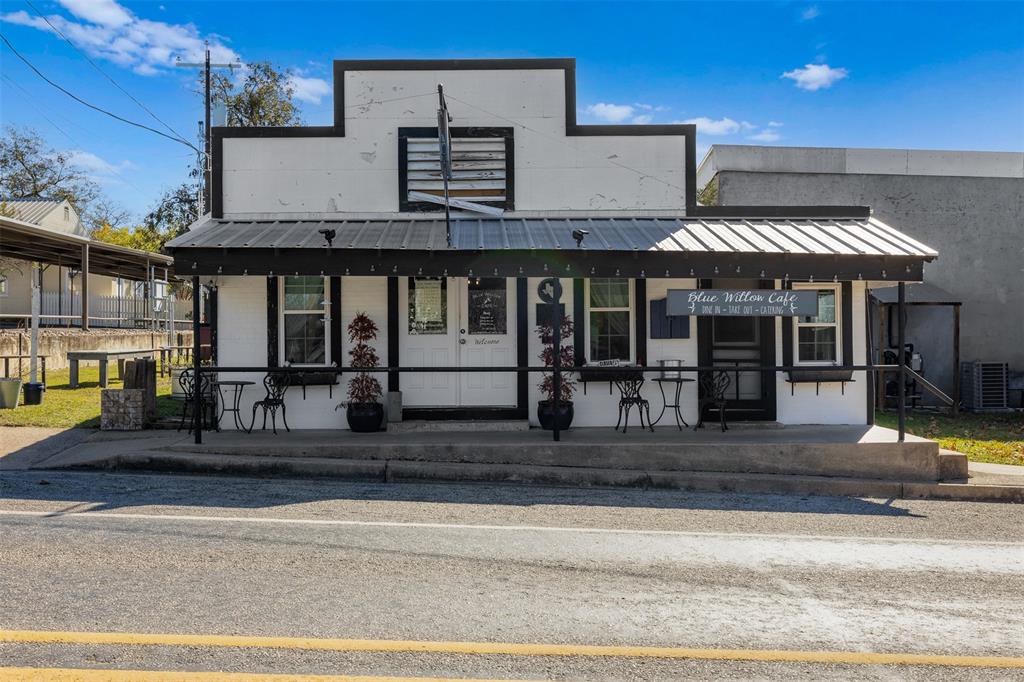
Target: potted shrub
[(10, 392), (364, 410), (545, 408)]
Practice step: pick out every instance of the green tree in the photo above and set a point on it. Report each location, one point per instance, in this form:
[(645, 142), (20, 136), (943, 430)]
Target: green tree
[(264, 97), (30, 169)]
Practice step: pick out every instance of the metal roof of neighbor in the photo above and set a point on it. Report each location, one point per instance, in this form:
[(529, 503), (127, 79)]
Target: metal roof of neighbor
[(829, 236), (32, 210)]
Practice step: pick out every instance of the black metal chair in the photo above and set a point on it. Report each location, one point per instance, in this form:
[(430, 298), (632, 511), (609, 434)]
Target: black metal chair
[(187, 381), (276, 385), (630, 397), (713, 386)]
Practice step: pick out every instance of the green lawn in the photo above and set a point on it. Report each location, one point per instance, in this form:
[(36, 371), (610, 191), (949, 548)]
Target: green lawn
[(996, 438), (65, 407)]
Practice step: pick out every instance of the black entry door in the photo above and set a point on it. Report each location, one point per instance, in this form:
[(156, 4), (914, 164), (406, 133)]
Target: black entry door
[(734, 343)]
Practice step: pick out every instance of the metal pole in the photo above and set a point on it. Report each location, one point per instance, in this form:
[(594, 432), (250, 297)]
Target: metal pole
[(206, 138), (556, 346), (901, 391), (197, 393), (85, 287), (956, 359)]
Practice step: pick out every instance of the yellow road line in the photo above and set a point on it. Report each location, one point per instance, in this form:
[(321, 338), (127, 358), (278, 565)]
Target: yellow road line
[(94, 675), (503, 648)]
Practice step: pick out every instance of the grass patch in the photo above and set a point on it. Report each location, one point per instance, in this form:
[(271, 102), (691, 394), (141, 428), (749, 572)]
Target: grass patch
[(66, 407), (995, 438)]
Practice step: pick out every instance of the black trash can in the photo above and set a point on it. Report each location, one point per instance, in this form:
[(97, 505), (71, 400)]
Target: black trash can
[(34, 393)]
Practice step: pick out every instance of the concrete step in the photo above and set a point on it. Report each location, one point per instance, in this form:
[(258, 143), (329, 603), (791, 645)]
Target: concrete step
[(406, 471), (440, 425)]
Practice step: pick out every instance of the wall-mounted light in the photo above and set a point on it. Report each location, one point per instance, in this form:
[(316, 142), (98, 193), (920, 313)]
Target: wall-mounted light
[(579, 236), (329, 235)]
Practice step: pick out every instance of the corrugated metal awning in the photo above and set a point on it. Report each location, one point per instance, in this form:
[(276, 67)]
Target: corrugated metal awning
[(819, 237)]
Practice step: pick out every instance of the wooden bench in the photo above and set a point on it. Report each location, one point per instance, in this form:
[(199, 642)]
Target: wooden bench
[(7, 363), (104, 357)]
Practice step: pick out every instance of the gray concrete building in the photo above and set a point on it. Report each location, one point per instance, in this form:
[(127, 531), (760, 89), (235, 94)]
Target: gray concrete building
[(969, 206)]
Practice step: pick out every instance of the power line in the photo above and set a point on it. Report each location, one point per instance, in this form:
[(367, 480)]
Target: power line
[(88, 104), (104, 73)]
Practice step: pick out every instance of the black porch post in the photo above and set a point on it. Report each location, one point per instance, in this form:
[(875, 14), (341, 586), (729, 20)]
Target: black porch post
[(197, 393), (901, 391), (556, 346)]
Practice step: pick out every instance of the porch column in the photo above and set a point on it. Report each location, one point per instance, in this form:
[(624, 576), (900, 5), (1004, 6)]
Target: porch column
[(197, 393), (956, 359), (901, 391), (85, 287)]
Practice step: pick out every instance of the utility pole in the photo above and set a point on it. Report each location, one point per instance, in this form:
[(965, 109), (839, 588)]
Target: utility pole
[(206, 66), (445, 156)]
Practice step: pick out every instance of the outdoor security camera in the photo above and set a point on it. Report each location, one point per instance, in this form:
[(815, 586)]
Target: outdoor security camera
[(328, 234), (578, 235)]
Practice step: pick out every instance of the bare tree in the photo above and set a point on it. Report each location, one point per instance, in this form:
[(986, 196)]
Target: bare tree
[(30, 169)]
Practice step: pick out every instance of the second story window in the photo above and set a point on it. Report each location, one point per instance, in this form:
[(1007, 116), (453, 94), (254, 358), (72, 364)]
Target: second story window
[(482, 167)]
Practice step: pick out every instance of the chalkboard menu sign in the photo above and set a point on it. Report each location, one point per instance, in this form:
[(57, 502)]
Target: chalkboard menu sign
[(488, 301)]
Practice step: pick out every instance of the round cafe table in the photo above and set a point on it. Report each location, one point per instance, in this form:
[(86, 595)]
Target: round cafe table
[(678, 381), (236, 401)]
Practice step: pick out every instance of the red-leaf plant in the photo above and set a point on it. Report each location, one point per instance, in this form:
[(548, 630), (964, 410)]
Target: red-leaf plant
[(363, 387), (567, 360)]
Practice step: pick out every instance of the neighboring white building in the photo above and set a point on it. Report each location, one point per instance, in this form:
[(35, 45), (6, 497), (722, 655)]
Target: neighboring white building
[(284, 295), (50, 232)]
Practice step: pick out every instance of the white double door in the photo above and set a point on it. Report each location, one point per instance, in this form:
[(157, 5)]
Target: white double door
[(457, 322)]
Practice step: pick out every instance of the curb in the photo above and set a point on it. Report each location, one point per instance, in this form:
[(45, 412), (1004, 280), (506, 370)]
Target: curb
[(408, 471)]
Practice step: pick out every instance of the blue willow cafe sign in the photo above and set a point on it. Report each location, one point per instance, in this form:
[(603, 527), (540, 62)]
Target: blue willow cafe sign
[(742, 302)]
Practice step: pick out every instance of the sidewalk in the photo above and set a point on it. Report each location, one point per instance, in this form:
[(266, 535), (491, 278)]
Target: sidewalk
[(171, 451)]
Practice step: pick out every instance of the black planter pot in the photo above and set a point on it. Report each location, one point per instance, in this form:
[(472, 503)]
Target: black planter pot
[(364, 417), (546, 415)]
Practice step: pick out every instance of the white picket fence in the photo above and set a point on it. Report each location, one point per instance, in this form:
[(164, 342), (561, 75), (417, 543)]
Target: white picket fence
[(60, 309)]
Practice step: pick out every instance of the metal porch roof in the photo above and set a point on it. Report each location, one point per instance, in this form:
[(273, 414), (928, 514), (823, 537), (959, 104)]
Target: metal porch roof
[(827, 236)]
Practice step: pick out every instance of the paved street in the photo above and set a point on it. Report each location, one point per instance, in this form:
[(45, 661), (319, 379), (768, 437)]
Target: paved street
[(502, 566)]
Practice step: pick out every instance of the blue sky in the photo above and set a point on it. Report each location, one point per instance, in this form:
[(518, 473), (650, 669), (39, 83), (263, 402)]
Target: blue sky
[(947, 75)]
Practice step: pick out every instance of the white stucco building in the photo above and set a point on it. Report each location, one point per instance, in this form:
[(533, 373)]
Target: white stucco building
[(284, 293)]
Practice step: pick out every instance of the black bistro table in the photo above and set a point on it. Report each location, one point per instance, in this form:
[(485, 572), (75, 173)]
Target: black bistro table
[(675, 405), (236, 401)]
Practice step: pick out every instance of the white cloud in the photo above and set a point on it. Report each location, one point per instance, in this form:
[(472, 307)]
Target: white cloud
[(815, 76), (613, 113), (649, 107), (710, 126), (810, 12), (774, 124), (310, 90), (766, 135), (642, 119), (100, 169), (107, 30)]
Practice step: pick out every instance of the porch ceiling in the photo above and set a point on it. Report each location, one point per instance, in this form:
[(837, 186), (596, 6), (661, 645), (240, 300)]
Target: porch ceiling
[(24, 241), (796, 248)]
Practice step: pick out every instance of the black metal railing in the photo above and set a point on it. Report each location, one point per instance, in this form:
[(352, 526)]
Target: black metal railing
[(879, 370)]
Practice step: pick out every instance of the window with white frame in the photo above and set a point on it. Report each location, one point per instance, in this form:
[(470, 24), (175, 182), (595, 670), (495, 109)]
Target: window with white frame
[(817, 336), (610, 329), (304, 329)]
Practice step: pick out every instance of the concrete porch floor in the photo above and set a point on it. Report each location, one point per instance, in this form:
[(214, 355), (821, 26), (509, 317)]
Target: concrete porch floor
[(844, 451)]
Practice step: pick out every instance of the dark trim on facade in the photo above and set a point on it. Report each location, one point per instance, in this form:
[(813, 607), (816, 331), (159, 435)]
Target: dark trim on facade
[(640, 321), (768, 388), (846, 298), (579, 330), (787, 335), (539, 263), (572, 128), (393, 331), (336, 321), (272, 322), (778, 211), (464, 413), (212, 321), (522, 344), (404, 134)]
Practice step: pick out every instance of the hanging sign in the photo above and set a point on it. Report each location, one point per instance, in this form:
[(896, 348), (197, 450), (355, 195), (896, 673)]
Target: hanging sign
[(743, 302), (549, 290)]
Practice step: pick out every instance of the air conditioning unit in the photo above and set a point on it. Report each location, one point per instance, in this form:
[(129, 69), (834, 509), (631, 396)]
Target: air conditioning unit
[(983, 385)]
